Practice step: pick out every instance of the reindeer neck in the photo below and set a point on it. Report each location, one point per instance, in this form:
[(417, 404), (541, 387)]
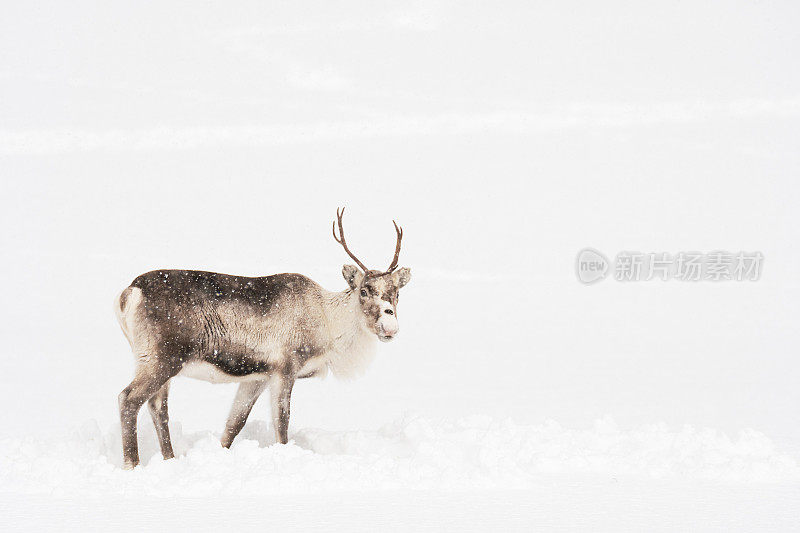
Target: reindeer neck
[(352, 345), (344, 315)]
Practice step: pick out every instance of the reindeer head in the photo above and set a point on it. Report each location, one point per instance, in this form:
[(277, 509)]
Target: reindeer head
[(377, 290)]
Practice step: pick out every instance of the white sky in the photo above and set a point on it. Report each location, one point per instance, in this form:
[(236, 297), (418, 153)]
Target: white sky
[(170, 134)]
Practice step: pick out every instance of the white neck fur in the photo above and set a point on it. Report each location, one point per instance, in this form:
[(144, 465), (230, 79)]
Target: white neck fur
[(352, 344)]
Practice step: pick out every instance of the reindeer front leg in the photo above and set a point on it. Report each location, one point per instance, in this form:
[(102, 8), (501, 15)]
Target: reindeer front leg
[(246, 397), (280, 389)]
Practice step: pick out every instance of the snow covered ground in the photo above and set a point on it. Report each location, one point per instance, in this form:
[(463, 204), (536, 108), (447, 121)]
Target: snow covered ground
[(470, 474), (504, 141), (414, 454)]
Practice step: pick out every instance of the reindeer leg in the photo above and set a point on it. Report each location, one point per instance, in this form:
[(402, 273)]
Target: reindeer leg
[(280, 389), (147, 382), (158, 412), (246, 397)]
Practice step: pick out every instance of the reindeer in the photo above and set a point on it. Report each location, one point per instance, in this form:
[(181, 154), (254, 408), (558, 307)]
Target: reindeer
[(262, 332)]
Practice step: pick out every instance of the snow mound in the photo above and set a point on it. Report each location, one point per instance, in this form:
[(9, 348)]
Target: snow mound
[(414, 453)]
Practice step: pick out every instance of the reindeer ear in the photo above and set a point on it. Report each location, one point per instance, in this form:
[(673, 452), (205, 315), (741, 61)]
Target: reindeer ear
[(352, 275), (402, 277)]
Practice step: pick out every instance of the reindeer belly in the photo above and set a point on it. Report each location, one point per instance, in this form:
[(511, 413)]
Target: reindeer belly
[(205, 371), (314, 367), (230, 365)]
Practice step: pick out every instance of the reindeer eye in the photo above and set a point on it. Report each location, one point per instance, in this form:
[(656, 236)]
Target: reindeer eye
[(389, 312), (363, 293)]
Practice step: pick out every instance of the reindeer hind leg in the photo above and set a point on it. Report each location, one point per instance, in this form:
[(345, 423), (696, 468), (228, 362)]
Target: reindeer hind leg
[(148, 381), (158, 412)]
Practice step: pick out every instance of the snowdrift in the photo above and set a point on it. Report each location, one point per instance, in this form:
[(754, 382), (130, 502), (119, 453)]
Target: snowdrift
[(414, 453)]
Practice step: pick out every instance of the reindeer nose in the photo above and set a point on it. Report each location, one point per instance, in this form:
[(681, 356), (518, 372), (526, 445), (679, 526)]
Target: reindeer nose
[(388, 332)]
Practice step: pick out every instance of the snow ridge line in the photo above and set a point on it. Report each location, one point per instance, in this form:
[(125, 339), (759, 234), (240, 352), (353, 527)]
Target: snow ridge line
[(527, 120)]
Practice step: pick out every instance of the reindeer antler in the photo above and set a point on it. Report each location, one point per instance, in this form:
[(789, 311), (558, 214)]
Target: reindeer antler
[(399, 231), (340, 240), (343, 242)]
